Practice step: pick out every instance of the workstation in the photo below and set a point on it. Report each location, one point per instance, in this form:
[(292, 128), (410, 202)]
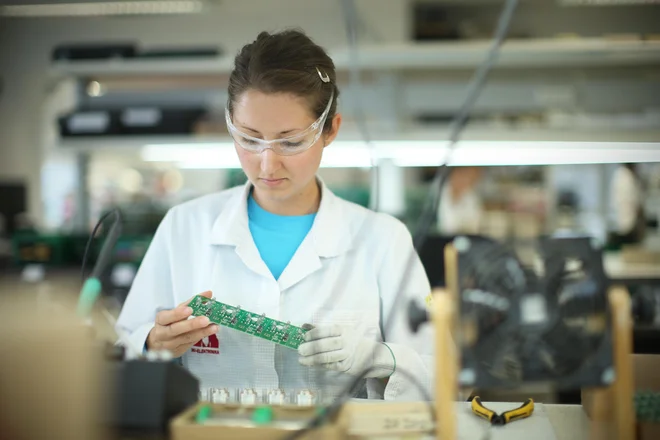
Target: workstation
[(460, 240)]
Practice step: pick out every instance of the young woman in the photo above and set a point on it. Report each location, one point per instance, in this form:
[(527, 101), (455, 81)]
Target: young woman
[(627, 204), (286, 246)]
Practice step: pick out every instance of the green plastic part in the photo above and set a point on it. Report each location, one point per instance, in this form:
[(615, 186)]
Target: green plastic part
[(262, 415), (282, 333), (88, 296), (647, 406), (203, 414)]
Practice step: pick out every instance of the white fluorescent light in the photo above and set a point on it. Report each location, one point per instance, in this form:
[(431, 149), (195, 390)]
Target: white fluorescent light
[(145, 7), (607, 2), (355, 154), (194, 156), (223, 155)]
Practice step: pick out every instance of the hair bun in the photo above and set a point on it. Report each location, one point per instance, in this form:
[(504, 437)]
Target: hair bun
[(263, 35)]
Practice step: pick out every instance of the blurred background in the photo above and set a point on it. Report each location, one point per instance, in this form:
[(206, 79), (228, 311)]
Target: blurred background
[(121, 104)]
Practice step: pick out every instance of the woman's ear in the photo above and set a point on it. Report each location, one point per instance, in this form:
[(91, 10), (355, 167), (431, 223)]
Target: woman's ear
[(334, 129)]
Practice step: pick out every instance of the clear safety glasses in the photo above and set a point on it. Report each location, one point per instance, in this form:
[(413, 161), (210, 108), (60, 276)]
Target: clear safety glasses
[(287, 146)]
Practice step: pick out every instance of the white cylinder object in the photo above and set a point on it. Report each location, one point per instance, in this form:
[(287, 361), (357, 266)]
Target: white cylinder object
[(391, 188)]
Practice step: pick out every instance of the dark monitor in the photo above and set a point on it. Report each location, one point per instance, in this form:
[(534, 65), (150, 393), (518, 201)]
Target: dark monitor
[(432, 254), (13, 201)]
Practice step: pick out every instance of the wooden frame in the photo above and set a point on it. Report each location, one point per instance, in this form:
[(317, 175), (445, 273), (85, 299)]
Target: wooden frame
[(447, 353), (611, 409)]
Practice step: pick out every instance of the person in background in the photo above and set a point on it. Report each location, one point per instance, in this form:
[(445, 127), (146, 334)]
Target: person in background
[(284, 245), (460, 210), (627, 203)]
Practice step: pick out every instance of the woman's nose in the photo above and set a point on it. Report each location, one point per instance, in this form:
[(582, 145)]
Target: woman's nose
[(270, 161)]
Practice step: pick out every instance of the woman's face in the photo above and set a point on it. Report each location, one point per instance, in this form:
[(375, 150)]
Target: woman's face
[(279, 179)]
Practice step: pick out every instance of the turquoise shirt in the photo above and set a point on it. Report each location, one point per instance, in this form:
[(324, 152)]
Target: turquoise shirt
[(277, 237)]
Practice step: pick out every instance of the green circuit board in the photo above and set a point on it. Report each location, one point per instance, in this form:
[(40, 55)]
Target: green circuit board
[(225, 315)]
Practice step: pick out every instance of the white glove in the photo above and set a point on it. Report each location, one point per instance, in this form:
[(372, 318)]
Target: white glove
[(341, 349)]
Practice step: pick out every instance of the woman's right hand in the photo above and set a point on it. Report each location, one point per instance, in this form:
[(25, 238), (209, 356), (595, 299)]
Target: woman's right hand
[(173, 330)]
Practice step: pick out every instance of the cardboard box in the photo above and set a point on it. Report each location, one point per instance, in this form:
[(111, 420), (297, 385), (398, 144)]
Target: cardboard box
[(369, 419), (357, 419), (646, 378), (185, 427), (51, 378)]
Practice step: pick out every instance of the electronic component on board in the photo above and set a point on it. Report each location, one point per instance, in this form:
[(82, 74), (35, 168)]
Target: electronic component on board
[(203, 394), (305, 398), (276, 397), (248, 396), (282, 333), (219, 395)]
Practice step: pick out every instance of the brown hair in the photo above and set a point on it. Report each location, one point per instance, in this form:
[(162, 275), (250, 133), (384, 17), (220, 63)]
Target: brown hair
[(285, 62)]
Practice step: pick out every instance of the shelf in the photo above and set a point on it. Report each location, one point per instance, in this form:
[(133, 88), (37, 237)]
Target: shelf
[(414, 151), (350, 133), (554, 53)]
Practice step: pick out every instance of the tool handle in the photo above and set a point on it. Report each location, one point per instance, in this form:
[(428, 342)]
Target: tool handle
[(523, 411), (479, 409)]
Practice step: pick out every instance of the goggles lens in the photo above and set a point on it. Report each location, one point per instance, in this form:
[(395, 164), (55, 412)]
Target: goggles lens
[(287, 146)]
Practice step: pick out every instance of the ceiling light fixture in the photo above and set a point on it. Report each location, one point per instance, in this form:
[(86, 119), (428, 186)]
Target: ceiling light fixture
[(607, 2), (416, 153), (145, 7)]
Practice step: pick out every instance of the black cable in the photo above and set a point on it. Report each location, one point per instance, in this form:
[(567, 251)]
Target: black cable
[(88, 246), (433, 201), (475, 87), (352, 23), (110, 242), (477, 83), (355, 387)]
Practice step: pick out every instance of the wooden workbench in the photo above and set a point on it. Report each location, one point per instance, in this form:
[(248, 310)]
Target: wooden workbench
[(549, 422)]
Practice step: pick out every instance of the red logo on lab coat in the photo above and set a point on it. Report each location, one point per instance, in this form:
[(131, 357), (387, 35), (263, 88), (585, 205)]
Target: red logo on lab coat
[(209, 344)]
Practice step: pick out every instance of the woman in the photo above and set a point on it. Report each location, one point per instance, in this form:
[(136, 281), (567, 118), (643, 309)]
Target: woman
[(626, 200), (283, 245), (460, 208)]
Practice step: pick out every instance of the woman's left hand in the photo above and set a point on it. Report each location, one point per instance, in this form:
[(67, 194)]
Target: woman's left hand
[(341, 349)]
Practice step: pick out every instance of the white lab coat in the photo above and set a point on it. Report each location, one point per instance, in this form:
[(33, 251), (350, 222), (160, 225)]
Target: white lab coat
[(346, 271), (625, 200), (462, 216)]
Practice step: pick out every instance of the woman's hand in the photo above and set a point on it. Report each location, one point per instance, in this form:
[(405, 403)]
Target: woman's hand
[(342, 349), (173, 330)]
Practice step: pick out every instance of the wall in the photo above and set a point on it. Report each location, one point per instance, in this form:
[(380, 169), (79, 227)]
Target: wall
[(26, 45)]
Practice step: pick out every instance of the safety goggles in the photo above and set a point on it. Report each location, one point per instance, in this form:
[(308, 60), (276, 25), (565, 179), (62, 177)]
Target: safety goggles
[(287, 146)]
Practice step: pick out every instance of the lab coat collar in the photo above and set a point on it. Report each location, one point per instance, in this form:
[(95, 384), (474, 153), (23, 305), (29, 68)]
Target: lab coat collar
[(330, 233)]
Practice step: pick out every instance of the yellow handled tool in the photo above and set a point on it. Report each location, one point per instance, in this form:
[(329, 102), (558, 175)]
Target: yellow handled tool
[(523, 411)]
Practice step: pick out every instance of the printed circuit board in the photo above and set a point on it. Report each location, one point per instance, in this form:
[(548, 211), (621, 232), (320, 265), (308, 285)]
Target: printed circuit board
[(282, 333)]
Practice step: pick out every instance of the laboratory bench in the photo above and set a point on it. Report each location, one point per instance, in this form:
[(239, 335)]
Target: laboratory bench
[(548, 422)]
